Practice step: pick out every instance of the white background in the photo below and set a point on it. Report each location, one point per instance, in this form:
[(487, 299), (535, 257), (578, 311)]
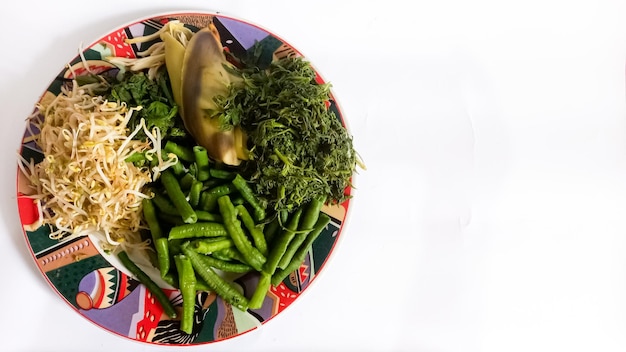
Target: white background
[(491, 216)]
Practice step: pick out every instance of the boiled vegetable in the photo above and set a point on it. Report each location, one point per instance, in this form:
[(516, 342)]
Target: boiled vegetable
[(187, 285), (168, 308), (300, 150), (159, 110), (225, 289), (300, 254), (229, 215), (205, 77)]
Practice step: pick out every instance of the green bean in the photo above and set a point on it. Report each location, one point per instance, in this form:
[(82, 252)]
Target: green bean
[(186, 181), (163, 255), (201, 285), (199, 229), (255, 232), (209, 202), (220, 255), (223, 265), (149, 214), (171, 279), (276, 226), (194, 193), (300, 254), (135, 157), (160, 242), (181, 152), (177, 197), (210, 245), (247, 194), (205, 202), (164, 204), (271, 230), (256, 301), (202, 162), (212, 183), (171, 219), (253, 257), (283, 217), (193, 170), (206, 216), (309, 218), (168, 307), (222, 174), (238, 200), (178, 168), (175, 246), (311, 214), (222, 190), (282, 242), (223, 288), (229, 254), (187, 286)]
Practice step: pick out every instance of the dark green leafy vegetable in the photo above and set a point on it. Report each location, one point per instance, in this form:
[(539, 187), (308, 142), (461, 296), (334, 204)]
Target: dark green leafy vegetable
[(155, 98), (299, 148)]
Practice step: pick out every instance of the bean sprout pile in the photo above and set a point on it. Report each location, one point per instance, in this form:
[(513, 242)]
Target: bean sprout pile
[(84, 181)]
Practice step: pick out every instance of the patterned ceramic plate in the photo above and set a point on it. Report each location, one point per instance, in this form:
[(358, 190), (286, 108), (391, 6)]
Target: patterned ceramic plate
[(93, 282)]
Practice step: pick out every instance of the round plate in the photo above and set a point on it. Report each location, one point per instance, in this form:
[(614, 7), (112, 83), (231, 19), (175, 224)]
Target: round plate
[(95, 285)]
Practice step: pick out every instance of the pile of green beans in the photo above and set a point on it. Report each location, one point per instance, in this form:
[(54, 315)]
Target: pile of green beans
[(204, 220)]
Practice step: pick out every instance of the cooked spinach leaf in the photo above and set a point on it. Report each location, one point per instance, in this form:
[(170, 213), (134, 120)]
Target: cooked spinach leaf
[(155, 98)]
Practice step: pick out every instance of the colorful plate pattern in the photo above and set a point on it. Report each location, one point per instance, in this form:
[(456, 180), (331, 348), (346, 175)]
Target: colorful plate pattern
[(95, 285)]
